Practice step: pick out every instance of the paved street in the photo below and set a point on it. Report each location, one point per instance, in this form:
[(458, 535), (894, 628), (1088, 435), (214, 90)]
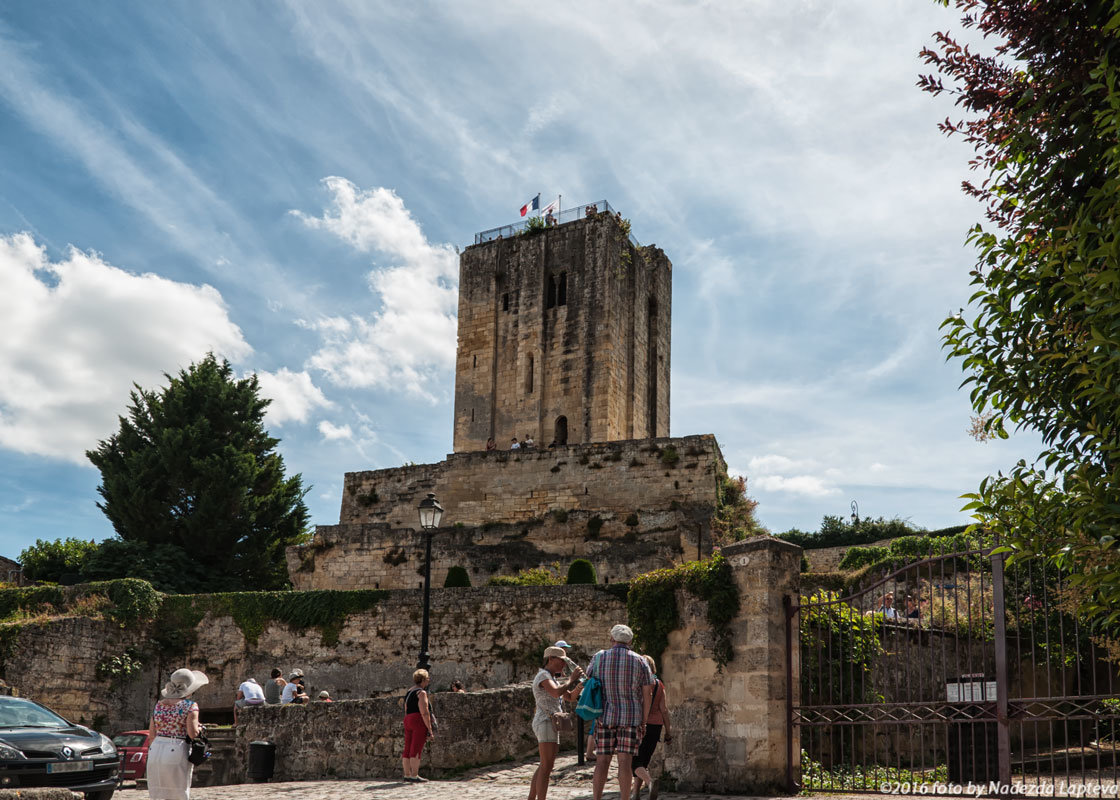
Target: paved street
[(503, 782)]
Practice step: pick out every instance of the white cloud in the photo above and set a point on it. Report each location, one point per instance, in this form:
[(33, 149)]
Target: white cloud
[(808, 485), (293, 395), (332, 432), (76, 334), (408, 344)]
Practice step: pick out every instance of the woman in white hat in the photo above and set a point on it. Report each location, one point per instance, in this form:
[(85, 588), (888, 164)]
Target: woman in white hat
[(174, 718)]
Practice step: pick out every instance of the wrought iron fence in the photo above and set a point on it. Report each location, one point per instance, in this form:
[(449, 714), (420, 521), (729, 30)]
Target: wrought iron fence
[(982, 673), (566, 215)]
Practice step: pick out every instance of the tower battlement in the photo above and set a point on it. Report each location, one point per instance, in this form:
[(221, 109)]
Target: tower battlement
[(564, 335)]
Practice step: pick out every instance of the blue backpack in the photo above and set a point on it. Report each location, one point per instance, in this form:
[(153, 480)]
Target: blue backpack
[(590, 705)]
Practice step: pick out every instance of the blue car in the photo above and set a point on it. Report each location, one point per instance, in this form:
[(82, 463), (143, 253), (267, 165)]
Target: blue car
[(40, 748)]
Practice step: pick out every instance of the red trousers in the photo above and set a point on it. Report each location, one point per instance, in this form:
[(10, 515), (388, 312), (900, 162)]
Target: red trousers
[(415, 734)]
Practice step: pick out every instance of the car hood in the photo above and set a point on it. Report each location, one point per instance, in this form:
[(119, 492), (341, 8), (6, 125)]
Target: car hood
[(50, 739)]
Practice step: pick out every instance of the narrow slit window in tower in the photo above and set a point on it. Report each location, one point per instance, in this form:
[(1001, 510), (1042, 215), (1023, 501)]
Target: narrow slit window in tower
[(505, 302), (562, 290), (529, 377), (550, 292)]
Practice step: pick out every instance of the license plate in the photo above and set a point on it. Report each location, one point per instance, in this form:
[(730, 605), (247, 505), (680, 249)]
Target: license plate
[(70, 766)]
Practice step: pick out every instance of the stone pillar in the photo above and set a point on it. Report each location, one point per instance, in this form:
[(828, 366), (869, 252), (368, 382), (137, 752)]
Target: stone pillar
[(730, 728)]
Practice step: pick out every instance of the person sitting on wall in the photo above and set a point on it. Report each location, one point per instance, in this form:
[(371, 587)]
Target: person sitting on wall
[(249, 693), (527, 443), (293, 689), (274, 687), (514, 444), (457, 686), (325, 697), (491, 444)]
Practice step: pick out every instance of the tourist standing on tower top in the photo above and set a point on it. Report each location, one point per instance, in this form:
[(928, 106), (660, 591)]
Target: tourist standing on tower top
[(548, 693), (627, 696)]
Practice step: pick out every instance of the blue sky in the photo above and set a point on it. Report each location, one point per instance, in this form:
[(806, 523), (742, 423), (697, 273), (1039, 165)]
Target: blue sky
[(285, 184)]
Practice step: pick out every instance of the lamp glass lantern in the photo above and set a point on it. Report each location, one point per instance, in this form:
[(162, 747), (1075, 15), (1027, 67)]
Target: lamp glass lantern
[(430, 512)]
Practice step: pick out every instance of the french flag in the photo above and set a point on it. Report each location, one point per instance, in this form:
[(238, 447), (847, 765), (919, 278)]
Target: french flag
[(532, 205)]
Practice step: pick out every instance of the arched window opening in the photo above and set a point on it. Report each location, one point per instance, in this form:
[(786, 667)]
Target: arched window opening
[(560, 433)]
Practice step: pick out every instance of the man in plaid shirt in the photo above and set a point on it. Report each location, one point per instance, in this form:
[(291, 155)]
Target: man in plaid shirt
[(627, 695)]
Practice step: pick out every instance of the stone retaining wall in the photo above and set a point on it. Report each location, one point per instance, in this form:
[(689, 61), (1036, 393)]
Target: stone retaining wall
[(365, 738), (485, 637), (374, 556)]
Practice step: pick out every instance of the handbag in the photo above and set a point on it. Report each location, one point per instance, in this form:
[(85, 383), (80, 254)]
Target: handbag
[(198, 749), (563, 721)]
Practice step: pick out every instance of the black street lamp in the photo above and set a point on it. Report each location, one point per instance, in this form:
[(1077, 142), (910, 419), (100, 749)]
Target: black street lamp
[(430, 513)]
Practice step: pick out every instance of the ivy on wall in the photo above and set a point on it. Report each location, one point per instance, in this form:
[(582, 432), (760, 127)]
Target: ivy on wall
[(325, 610), (652, 604)]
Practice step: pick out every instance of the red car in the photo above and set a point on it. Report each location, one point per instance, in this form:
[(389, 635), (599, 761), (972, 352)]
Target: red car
[(132, 745)]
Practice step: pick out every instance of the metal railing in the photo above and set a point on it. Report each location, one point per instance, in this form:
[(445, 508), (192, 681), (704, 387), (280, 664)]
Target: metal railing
[(567, 215)]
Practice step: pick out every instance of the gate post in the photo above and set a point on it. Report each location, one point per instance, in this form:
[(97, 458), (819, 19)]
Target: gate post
[(732, 725), (1003, 724)]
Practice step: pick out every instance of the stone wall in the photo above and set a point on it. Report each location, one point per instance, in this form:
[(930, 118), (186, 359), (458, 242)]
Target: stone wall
[(365, 738), (485, 637), (730, 727), (380, 557), (563, 331), (518, 485), (827, 559)]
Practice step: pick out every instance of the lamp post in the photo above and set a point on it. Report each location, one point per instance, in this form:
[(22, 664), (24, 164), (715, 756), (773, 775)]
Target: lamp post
[(855, 513), (430, 513)]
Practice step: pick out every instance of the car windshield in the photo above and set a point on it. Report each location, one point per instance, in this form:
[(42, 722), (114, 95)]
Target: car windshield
[(129, 739), (15, 712)]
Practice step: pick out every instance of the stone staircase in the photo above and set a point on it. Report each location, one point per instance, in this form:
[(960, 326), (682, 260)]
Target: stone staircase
[(220, 768)]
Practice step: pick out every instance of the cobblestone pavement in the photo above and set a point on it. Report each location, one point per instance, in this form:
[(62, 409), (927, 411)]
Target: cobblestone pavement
[(499, 782)]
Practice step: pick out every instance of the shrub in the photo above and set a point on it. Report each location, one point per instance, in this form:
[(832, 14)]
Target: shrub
[(594, 525), (560, 515), (534, 576), (582, 571), (836, 531), (669, 456), (457, 577)]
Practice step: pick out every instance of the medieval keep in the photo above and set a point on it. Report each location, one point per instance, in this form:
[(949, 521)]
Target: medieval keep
[(564, 337)]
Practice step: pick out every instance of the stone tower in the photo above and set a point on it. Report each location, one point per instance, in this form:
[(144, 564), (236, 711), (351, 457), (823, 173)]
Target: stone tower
[(563, 336)]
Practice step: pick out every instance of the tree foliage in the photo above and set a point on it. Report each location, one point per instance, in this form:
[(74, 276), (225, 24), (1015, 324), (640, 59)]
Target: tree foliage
[(193, 469), (1041, 339), (59, 561)]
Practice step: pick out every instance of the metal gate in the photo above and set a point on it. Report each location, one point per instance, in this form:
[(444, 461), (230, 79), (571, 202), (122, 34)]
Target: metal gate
[(976, 679)]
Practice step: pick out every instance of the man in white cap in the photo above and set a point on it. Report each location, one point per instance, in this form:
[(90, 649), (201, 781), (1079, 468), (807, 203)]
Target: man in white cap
[(627, 696)]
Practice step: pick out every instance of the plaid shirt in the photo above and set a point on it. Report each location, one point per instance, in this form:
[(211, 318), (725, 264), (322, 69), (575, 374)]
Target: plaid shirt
[(623, 673)]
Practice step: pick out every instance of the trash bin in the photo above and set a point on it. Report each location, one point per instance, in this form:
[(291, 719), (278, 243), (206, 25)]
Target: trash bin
[(262, 761)]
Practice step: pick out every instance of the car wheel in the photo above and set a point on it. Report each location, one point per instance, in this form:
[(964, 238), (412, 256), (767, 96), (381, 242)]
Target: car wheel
[(104, 794)]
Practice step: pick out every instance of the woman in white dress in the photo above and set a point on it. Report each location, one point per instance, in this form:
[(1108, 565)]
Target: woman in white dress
[(174, 718)]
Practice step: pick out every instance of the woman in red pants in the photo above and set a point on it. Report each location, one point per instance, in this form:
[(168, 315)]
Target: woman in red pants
[(417, 725)]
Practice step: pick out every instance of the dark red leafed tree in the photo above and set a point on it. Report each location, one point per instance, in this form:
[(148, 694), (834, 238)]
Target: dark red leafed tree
[(1040, 339)]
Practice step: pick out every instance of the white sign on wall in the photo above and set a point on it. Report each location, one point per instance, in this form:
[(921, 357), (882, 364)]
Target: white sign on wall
[(971, 689)]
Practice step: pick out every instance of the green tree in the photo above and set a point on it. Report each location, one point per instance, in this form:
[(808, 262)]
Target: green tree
[(60, 561), (193, 468), (1040, 342)]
